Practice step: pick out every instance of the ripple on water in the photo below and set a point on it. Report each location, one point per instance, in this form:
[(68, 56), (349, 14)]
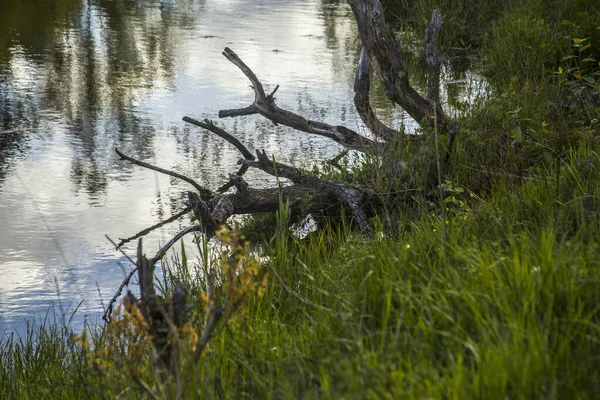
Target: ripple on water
[(124, 77)]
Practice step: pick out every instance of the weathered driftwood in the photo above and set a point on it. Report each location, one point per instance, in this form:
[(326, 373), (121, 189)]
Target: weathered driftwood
[(432, 59), (308, 193), (362, 85)]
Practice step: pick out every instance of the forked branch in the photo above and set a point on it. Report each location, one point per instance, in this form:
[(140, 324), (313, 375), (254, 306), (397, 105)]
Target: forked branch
[(265, 105)]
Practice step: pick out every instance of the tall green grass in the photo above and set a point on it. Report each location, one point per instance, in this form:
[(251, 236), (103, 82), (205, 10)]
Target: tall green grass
[(500, 300), (496, 297), (43, 363)]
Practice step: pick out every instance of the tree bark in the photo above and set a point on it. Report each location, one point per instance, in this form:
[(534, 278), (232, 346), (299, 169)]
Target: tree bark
[(265, 105), (387, 60), (362, 86), (306, 194)]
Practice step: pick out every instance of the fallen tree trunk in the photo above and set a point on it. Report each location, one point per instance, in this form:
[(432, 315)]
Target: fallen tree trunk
[(265, 105), (387, 59), (307, 194)]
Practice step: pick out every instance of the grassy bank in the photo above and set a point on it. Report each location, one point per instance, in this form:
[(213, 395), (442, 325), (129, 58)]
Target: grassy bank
[(488, 293), (500, 301)]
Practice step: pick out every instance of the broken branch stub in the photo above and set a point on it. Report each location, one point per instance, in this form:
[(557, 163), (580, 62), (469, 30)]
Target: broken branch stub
[(164, 319)]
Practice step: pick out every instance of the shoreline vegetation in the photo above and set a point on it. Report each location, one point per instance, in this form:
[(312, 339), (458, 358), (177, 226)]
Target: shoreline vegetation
[(487, 291)]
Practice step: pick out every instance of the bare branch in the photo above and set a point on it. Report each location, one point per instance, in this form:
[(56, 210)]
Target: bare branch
[(388, 60), (205, 193), (163, 318), (160, 254), (210, 126), (240, 184), (163, 250), (238, 112), (281, 170), (361, 99), (352, 196), (271, 96), (153, 227), (353, 199), (256, 85), (431, 57), (265, 105), (230, 184), (109, 309)]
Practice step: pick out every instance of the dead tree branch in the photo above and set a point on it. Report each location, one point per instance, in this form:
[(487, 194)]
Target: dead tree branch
[(231, 183), (219, 208), (153, 227), (431, 57), (362, 85), (265, 105), (159, 255), (210, 126), (203, 191), (310, 194), (164, 319), (351, 196), (163, 250), (387, 59)]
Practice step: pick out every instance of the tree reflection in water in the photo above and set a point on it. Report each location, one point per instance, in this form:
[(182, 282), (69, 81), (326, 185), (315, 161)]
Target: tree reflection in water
[(85, 62)]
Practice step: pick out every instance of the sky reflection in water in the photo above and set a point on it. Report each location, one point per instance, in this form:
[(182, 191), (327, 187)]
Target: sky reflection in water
[(79, 78)]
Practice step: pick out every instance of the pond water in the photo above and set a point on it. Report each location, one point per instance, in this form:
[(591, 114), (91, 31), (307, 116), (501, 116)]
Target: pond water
[(79, 78)]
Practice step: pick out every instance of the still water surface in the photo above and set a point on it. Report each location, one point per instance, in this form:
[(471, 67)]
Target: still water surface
[(79, 78)]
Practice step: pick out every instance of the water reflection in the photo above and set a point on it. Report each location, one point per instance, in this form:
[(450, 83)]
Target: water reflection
[(80, 77)]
